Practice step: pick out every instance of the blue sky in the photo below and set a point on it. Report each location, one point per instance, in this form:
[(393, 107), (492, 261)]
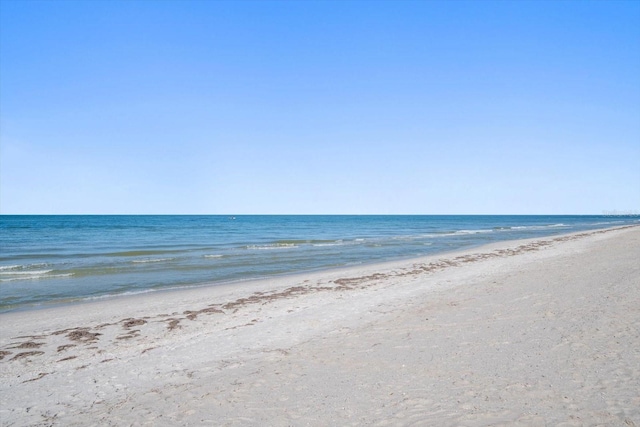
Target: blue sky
[(363, 107)]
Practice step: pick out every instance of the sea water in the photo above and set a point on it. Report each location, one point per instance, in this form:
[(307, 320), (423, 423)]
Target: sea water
[(47, 260)]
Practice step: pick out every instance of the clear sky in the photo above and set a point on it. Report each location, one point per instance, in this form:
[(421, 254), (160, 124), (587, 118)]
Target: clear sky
[(362, 107)]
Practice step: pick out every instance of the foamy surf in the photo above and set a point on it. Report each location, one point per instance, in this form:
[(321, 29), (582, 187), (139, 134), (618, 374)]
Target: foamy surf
[(151, 260), (30, 275), (272, 246)]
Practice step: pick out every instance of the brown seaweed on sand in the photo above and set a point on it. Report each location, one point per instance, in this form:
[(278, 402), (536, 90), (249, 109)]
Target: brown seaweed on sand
[(128, 323), (29, 344), (82, 335), (40, 375), (27, 354), (173, 324)]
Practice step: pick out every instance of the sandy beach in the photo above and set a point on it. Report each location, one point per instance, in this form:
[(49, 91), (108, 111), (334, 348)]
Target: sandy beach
[(541, 332)]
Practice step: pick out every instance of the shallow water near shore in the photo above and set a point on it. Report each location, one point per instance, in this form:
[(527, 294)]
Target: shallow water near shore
[(63, 259)]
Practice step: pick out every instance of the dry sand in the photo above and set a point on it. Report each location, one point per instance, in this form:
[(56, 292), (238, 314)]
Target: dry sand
[(529, 333)]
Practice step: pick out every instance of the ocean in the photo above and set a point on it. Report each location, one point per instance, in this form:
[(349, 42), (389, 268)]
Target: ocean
[(50, 260)]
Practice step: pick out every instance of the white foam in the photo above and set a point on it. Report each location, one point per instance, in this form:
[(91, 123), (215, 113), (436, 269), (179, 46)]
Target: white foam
[(272, 246), (433, 235), (26, 273), (123, 294), (36, 275), (22, 266), (148, 260), (405, 237), (473, 231), (213, 256), (537, 227)]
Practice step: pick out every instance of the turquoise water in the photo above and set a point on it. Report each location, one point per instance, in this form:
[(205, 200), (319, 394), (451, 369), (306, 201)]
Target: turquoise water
[(61, 259)]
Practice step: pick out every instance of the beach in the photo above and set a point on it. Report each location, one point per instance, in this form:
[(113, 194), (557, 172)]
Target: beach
[(544, 331)]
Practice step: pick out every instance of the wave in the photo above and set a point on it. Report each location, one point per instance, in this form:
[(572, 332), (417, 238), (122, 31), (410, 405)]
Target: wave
[(530, 227), (120, 294), (434, 235), (304, 241), (319, 245), (26, 273), (405, 237), (457, 233), (22, 267), (288, 243), (10, 273), (151, 260), (272, 246), (140, 253), (35, 275), (213, 256), (473, 231)]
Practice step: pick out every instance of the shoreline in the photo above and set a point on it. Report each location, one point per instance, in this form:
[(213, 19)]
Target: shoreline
[(226, 352), (120, 305), (204, 287)]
